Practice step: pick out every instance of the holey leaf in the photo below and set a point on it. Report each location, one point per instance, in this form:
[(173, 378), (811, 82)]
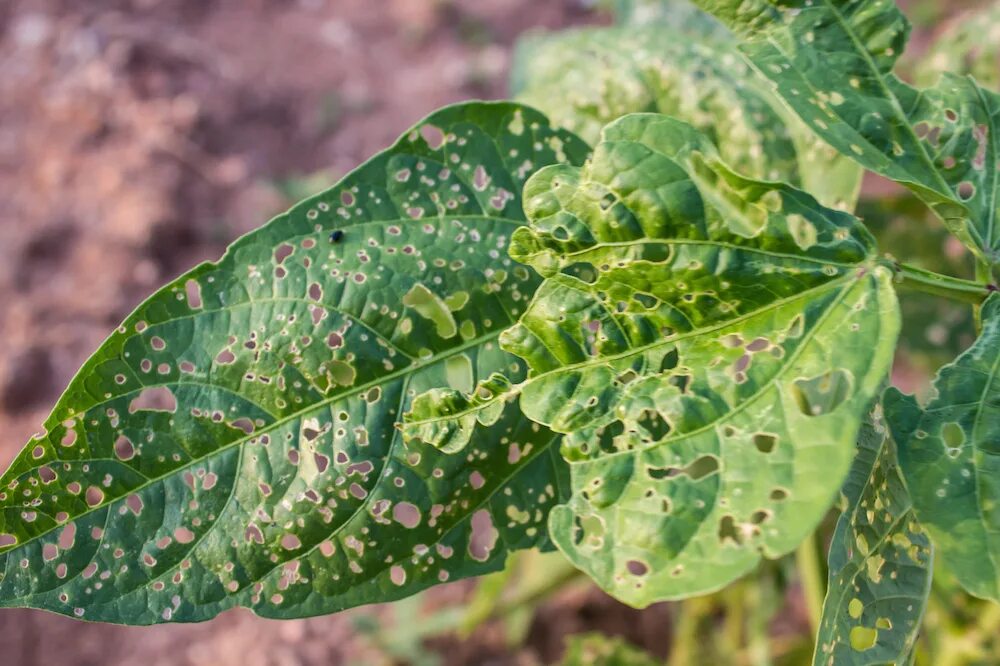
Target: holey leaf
[(880, 563), (708, 345), (234, 442), (584, 79), (832, 61), (949, 452)]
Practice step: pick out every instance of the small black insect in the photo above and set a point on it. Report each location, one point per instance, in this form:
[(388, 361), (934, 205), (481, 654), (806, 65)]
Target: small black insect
[(336, 236)]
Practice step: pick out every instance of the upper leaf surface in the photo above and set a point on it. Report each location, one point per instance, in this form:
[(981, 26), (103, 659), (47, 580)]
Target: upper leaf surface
[(832, 61), (233, 443), (880, 563), (948, 452), (707, 343), (587, 78)]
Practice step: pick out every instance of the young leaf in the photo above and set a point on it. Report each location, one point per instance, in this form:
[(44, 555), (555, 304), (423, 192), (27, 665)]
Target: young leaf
[(587, 78), (948, 454), (233, 442), (832, 61), (707, 343), (880, 564)]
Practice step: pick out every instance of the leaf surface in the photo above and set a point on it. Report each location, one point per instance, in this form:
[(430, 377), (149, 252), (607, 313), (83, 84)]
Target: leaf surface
[(233, 442), (832, 61), (687, 66), (708, 344), (880, 563), (948, 451)]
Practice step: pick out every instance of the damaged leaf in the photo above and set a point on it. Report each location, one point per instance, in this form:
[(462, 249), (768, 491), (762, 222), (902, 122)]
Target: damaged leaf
[(233, 442), (706, 343), (948, 451), (880, 563)]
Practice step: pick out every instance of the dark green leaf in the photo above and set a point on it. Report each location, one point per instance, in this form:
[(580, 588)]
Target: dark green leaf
[(233, 442)]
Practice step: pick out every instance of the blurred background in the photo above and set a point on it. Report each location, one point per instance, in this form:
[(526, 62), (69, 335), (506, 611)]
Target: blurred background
[(137, 139)]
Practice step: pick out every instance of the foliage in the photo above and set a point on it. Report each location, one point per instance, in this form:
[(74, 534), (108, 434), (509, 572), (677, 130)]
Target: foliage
[(663, 356)]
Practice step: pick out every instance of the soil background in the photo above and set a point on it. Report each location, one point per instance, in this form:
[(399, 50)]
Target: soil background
[(137, 139)]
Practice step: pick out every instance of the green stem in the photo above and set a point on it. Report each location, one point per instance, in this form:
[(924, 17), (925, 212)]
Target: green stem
[(810, 573), (984, 274), (929, 282)]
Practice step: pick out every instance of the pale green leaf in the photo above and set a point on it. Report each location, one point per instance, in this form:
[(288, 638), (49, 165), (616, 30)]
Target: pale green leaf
[(599, 650), (233, 443), (587, 78), (948, 451), (707, 343), (832, 61), (968, 44), (880, 563)]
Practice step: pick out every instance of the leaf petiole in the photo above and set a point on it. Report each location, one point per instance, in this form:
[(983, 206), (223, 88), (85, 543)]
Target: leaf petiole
[(929, 282)]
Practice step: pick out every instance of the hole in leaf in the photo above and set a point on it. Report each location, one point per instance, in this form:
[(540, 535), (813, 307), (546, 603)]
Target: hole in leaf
[(765, 442)]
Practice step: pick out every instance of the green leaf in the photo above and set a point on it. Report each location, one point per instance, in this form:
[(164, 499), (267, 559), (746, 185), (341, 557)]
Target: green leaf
[(969, 44), (707, 343), (832, 61), (880, 563), (948, 452), (233, 442), (587, 78), (599, 650)]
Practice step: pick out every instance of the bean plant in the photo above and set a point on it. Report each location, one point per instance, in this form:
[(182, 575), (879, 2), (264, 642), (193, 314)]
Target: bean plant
[(641, 325)]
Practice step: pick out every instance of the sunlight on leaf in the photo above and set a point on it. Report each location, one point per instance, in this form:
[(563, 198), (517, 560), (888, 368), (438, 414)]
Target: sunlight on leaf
[(708, 363)]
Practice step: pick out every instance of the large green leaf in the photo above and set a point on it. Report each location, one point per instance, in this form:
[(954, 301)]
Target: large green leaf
[(880, 563), (707, 343), (948, 451), (587, 78), (233, 442), (832, 61)]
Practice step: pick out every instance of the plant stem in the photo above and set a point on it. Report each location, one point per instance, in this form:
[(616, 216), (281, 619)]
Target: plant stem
[(810, 573), (984, 274), (929, 282)]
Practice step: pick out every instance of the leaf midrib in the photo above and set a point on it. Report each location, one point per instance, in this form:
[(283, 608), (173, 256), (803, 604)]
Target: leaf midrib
[(384, 379)]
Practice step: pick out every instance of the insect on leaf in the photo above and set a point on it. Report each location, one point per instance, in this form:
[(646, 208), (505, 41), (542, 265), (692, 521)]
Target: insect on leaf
[(833, 60), (707, 343), (233, 442), (880, 563), (948, 451)]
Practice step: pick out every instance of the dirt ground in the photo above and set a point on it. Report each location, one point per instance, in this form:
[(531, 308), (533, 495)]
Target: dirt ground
[(138, 138)]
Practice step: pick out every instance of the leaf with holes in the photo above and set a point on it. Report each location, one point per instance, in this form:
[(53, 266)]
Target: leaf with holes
[(880, 563), (707, 343), (233, 442), (584, 79), (832, 61), (948, 452)]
